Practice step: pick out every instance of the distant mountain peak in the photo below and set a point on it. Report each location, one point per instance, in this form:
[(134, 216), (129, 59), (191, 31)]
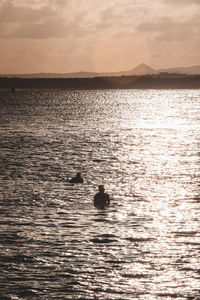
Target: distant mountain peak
[(142, 69), (142, 65)]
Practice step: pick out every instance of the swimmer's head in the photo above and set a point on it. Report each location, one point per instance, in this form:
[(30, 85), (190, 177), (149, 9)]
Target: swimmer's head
[(101, 188)]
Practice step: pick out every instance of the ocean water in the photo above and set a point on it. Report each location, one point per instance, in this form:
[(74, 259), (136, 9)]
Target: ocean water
[(144, 146)]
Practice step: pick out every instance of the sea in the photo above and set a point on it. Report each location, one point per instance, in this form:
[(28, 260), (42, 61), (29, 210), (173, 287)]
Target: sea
[(144, 147)]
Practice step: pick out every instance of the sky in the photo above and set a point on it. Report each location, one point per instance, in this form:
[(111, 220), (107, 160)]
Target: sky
[(63, 36)]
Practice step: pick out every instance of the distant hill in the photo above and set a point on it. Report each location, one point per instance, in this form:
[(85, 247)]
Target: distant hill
[(140, 70), (143, 69), (52, 75), (183, 70)]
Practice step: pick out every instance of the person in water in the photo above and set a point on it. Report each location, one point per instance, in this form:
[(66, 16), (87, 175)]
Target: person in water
[(76, 179), (101, 199)]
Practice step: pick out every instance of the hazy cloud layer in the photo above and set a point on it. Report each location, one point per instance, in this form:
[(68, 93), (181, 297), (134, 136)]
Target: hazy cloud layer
[(42, 22), (170, 30), (93, 35), (20, 14)]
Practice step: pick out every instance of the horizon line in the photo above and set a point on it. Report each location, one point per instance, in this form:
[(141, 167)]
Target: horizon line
[(102, 72)]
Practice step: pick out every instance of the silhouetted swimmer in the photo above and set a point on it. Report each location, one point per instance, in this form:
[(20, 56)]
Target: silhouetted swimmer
[(76, 179), (101, 199)]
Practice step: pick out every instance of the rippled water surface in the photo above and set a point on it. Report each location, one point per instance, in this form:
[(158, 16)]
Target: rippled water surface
[(144, 146)]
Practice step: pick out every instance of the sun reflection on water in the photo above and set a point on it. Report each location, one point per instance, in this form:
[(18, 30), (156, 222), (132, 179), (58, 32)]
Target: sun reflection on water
[(168, 160), (144, 147)]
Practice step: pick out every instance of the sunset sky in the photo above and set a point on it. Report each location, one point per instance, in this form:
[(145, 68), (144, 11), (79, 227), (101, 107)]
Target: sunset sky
[(61, 36)]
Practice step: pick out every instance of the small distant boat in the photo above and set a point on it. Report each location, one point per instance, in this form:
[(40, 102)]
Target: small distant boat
[(12, 90)]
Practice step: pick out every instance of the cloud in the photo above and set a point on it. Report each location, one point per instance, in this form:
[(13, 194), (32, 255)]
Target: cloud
[(37, 21), (166, 29), (45, 30), (194, 21), (182, 2), (176, 35), (162, 24), (39, 3), (20, 14)]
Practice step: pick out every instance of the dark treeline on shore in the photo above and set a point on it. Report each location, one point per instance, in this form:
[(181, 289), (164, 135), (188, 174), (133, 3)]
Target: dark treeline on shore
[(160, 81)]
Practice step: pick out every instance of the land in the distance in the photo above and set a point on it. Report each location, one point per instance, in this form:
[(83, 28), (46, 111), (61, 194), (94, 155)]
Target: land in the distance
[(153, 81), (141, 69), (140, 77)]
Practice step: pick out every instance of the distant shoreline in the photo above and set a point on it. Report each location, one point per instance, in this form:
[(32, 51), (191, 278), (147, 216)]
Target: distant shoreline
[(161, 81)]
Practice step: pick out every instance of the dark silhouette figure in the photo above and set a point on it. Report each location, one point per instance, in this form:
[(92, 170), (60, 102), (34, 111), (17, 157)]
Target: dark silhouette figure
[(101, 199), (12, 90), (76, 179)]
